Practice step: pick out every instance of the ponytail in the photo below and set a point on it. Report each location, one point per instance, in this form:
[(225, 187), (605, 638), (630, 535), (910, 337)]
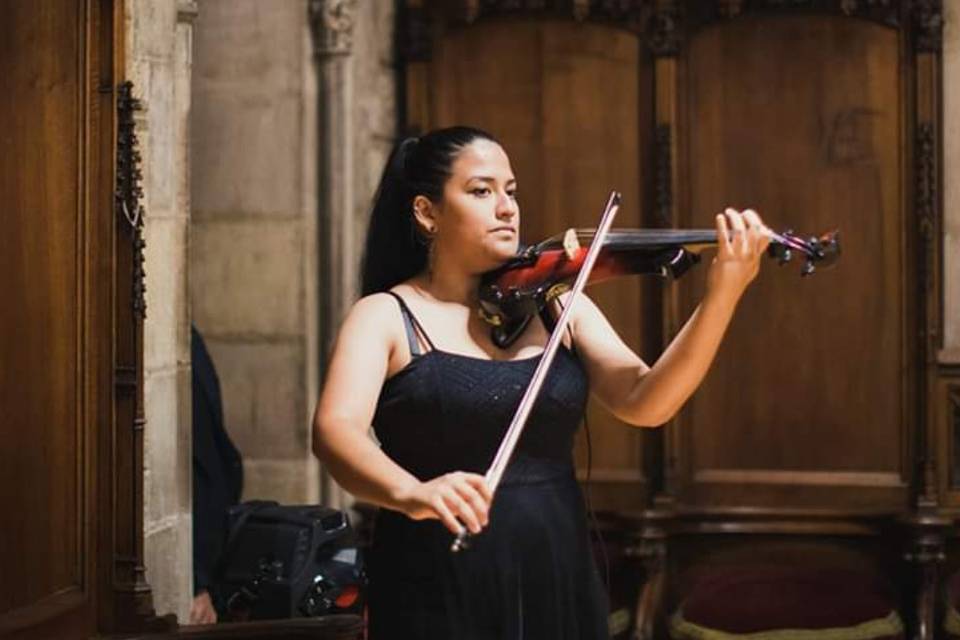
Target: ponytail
[(395, 250), (392, 253)]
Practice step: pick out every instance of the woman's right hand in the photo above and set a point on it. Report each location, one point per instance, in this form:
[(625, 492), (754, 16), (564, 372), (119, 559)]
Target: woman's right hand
[(451, 498)]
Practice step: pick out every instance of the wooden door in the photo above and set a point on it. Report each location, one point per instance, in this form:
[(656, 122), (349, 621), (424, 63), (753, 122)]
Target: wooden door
[(566, 99), (70, 380), (48, 452), (809, 117)]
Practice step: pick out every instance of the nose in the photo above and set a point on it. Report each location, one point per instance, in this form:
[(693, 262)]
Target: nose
[(506, 207)]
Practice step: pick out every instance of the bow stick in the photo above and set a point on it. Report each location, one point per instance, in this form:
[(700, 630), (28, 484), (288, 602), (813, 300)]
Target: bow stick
[(509, 443)]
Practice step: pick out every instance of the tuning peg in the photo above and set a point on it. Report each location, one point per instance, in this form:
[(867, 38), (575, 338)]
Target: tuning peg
[(808, 268), (780, 252)]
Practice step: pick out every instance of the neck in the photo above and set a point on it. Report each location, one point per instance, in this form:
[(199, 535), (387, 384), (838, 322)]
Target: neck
[(447, 282)]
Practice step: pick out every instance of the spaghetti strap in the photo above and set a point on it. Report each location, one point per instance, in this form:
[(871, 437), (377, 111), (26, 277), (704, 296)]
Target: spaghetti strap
[(412, 326)]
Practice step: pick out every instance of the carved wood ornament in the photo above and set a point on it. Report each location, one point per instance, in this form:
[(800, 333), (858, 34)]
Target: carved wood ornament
[(129, 191), (132, 599), (663, 175)]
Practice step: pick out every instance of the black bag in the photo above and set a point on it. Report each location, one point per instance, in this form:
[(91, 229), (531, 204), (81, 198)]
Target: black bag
[(287, 561)]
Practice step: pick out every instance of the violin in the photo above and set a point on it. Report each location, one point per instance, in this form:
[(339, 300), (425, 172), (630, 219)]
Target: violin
[(513, 293)]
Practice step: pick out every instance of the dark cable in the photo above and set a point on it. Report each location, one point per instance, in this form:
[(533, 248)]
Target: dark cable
[(586, 493)]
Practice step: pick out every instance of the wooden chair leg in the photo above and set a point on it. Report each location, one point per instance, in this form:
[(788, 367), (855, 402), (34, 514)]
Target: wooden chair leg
[(648, 608), (648, 624), (926, 552)]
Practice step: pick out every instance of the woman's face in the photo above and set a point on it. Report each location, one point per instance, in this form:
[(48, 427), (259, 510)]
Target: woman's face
[(479, 218)]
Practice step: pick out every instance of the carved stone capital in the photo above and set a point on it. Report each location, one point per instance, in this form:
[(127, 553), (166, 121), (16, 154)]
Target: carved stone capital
[(331, 22), (187, 11)]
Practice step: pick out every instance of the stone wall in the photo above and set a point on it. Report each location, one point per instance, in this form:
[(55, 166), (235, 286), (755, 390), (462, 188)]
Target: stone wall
[(252, 235), (158, 46), (255, 255), (375, 119)]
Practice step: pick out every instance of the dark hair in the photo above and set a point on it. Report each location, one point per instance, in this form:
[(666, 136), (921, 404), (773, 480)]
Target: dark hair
[(395, 250)]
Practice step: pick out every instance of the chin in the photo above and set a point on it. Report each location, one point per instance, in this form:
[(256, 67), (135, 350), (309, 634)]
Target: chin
[(506, 251), (496, 256)]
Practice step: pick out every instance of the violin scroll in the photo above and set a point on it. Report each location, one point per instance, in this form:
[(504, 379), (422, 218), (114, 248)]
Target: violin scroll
[(820, 251)]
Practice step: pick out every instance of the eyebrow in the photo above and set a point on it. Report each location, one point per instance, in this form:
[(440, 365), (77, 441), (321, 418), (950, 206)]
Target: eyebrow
[(490, 179)]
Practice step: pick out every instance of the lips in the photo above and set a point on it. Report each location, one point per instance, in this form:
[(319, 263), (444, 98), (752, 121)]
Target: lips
[(510, 229)]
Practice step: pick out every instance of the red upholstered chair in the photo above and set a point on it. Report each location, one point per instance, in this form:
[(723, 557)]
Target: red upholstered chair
[(951, 616), (771, 602), (729, 579)]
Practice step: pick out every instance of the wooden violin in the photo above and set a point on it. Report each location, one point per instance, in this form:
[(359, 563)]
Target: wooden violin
[(513, 293)]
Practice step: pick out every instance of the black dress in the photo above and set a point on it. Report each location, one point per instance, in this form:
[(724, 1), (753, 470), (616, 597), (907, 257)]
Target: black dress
[(530, 573)]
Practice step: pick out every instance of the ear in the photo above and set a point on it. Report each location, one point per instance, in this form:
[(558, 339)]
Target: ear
[(425, 215)]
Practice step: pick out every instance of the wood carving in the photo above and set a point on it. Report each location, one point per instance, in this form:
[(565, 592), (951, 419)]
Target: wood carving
[(129, 191)]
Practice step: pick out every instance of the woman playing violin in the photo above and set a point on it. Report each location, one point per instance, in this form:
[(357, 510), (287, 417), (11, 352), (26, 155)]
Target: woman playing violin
[(415, 361)]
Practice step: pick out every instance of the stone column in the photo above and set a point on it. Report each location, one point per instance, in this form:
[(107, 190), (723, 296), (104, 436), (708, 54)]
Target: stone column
[(332, 26), (159, 42)]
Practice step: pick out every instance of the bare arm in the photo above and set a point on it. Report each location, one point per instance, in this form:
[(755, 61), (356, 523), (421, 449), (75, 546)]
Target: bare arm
[(649, 396), (342, 421)]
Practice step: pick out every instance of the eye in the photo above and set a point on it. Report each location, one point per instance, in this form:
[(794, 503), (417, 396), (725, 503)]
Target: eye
[(512, 194), (480, 192)]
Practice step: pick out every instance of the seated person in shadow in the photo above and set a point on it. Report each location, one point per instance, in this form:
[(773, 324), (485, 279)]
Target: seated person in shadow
[(217, 479)]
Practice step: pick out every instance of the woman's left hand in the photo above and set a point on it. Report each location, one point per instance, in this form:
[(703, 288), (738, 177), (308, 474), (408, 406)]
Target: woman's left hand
[(742, 238)]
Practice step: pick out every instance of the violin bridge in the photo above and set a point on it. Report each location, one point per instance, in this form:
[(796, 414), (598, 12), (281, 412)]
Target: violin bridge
[(570, 244)]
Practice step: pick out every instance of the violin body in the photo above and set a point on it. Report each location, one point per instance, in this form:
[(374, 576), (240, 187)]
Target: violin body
[(512, 294)]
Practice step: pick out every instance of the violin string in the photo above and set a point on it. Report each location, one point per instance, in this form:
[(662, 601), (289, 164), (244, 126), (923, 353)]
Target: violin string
[(641, 237)]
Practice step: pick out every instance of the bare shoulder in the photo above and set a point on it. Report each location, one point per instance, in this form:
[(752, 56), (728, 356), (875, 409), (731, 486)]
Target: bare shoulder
[(375, 316), (374, 305)]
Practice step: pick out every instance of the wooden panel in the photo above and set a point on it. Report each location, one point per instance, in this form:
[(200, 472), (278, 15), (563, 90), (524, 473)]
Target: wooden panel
[(946, 431), (564, 98), (800, 117), (41, 460), (55, 269)]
